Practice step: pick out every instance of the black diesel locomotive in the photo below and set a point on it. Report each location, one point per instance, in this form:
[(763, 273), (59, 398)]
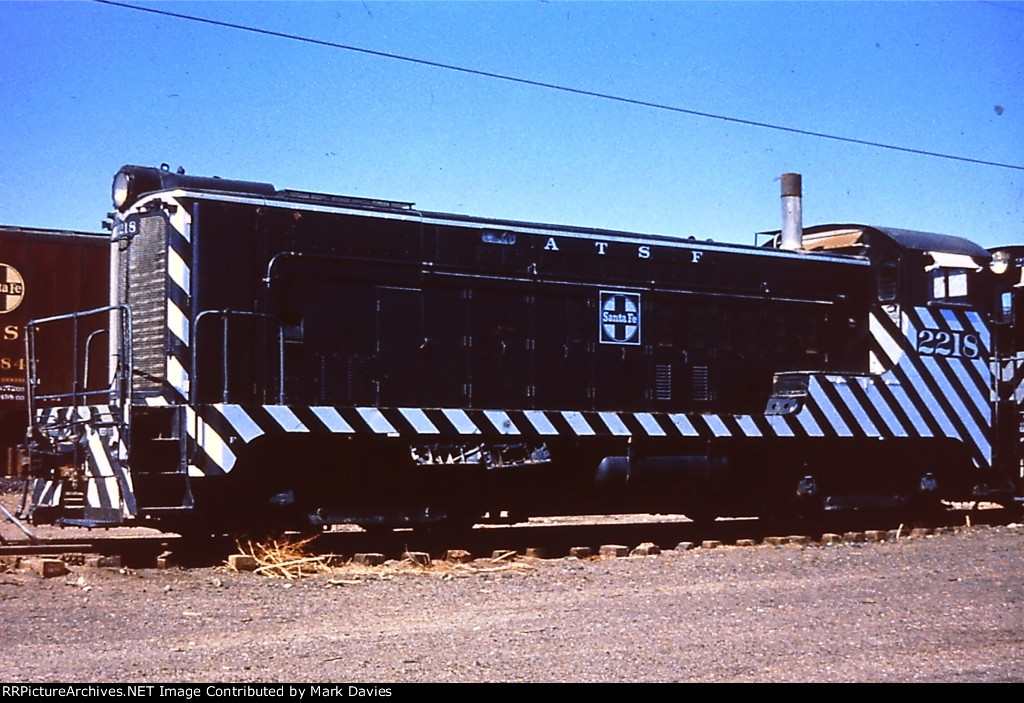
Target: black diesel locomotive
[(285, 358)]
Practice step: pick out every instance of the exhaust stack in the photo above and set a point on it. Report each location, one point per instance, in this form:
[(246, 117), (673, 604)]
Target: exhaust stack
[(792, 213)]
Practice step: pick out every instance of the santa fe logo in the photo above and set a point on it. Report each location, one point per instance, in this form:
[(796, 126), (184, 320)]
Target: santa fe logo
[(12, 288), (620, 318)]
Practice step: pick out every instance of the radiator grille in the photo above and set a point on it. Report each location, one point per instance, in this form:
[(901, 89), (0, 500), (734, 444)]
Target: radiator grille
[(144, 289)]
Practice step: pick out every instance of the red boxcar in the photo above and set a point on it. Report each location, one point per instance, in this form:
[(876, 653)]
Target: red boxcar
[(43, 272)]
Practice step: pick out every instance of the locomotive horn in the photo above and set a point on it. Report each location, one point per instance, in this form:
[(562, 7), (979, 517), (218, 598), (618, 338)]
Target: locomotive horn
[(792, 212)]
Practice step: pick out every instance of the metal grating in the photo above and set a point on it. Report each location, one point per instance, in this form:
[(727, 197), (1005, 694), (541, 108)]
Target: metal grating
[(663, 382), (701, 389), (146, 295)]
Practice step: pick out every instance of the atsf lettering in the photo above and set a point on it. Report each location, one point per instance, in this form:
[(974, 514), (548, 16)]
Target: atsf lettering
[(642, 251)]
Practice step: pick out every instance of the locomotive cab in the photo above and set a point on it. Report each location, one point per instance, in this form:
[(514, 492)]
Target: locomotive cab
[(913, 269), (941, 326)]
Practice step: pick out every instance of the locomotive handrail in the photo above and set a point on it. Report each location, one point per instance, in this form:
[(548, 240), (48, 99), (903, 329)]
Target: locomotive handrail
[(225, 315), (76, 396), (646, 287), (330, 257), (71, 315), (430, 268), (88, 347), (120, 387)]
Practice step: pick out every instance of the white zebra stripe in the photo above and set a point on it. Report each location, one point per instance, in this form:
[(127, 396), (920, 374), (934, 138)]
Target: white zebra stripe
[(99, 453), (332, 419), (779, 425), (929, 403), (980, 396), (578, 423), (980, 328), (927, 320), (101, 413), (649, 424), (177, 323), (288, 421), (1018, 391), (182, 222), (419, 421), (931, 368), (991, 372), (962, 380), (212, 443), (95, 499), (718, 427), (889, 345), (178, 270), (818, 396), (376, 420), (614, 424), (875, 365), (749, 427), (950, 320), (810, 425), (977, 434), (240, 421), (882, 408), (46, 491), (684, 426), (502, 422), (461, 421), (540, 422), (177, 376), (859, 414)]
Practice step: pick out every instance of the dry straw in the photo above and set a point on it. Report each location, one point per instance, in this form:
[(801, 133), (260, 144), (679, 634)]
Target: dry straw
[(291, 558), (288, 558)]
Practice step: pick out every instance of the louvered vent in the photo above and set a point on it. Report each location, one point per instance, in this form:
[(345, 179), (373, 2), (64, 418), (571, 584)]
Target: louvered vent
[(701, 390), (663, 382)]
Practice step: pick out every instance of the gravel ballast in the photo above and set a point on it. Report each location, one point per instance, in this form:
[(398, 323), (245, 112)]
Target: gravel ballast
[(945, 608)]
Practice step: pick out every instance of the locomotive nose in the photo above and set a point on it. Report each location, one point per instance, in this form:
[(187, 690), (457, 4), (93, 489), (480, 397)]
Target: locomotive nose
[(132, 182)]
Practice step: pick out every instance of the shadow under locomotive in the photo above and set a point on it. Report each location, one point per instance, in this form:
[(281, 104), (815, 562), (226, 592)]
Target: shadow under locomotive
[(287, 358)]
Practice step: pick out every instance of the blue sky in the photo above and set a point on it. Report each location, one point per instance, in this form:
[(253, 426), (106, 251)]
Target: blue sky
[(87, 87)]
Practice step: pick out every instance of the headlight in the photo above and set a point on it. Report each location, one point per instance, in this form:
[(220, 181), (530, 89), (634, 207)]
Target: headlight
[(121, 190), (1000, 262)]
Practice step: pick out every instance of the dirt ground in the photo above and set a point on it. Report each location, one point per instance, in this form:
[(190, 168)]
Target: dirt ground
[(945, 608)]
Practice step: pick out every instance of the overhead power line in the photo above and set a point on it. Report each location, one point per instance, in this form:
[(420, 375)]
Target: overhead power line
[(555, 86)]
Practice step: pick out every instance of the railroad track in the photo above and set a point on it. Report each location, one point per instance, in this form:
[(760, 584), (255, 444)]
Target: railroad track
[(549, 537)]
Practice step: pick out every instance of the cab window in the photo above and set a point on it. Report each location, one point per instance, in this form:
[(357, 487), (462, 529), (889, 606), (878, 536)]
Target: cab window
[(949, 284)]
